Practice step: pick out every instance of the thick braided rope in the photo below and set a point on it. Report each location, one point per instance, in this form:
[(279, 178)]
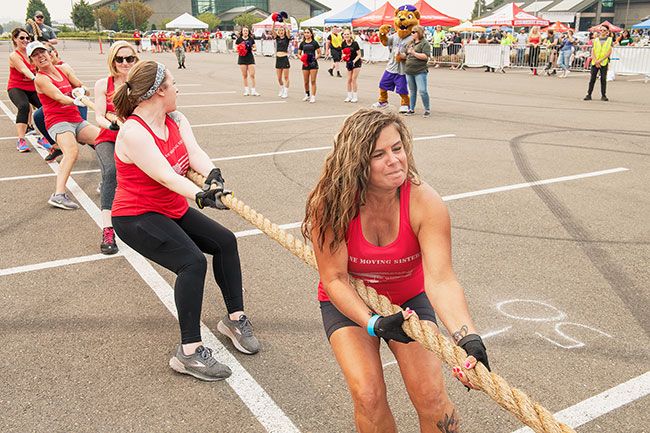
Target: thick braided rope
[(512, 399)]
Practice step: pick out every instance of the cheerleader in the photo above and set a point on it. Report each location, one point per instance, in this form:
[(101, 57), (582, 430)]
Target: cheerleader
[(351, 55), (246, 60), (309, 52), (282, 42)]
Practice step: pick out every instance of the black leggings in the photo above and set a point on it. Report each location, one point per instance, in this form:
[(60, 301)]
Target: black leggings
[(603, 79), (178, 245), (21, 99)]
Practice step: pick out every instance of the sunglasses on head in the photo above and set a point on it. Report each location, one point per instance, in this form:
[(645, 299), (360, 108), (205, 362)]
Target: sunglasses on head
[(127, 59)]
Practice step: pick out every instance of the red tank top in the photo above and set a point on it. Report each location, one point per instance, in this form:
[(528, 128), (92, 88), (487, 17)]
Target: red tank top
[(54, 111), (394, 270), (534, 39), (137, 193), (108, 134), (16, 78)]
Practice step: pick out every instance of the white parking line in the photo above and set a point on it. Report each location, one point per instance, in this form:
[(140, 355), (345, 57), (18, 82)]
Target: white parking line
[(228, 92), (487, 191), (607, 401), (233, 104), (55, 264), (262, 406), (252, 122)]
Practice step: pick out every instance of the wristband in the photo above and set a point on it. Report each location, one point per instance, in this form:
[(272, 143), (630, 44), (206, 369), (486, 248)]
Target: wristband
[(371, 325)]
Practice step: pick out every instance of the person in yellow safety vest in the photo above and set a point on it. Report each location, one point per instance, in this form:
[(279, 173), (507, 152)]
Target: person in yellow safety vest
[(436, 43), (178, 45), (601, 50), (335, 39)]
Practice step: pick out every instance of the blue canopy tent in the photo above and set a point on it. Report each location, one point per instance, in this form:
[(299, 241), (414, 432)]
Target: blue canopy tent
[(352, 12), (642, 25)]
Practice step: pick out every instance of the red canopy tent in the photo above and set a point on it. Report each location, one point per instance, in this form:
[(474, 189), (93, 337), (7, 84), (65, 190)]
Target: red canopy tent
[(430, 17), (513, 16), (384, 15), (610, 26), (557, 27)]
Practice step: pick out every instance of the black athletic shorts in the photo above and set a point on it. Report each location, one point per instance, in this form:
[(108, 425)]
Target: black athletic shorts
[(309, 67), (333, 319), (282, 62), (336, 54), (353, 65)]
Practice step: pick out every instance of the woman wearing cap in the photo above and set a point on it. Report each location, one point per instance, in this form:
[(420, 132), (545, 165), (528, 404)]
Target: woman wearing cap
[(246, 60), (121, 58), (154, 150), (20, 86), (62, 119), (371, 217), (282, 65)]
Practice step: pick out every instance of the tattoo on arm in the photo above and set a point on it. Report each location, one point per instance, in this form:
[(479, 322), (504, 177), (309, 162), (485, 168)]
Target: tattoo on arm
[(450, 423), (458, 335)]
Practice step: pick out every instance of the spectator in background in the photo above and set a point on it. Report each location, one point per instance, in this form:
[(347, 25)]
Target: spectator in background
[(551, 42), (566, 49), (374, 38), (47, 32), (624, 39), (494, 37), (437, 39), (600, 53), (534, 39), (178, 41), (522, 41), (137, 38)]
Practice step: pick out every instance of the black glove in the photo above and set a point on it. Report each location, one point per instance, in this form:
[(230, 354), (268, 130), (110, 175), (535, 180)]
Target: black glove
[(390, 328), (473, 345), (211, 197), (215, 177), (114, 126)]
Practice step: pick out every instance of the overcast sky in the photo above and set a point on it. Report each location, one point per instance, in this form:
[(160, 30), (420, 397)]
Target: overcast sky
[(60, 9)]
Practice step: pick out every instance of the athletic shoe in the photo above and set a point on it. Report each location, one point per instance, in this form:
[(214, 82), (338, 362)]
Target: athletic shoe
[(331, 71), (312, 99), (22, 146), (31, 130), (380, 105), (246, 93), (108, 245), (306, 98), (62, 201), (254, 93), (201, 364), (427, 113), (348, 99), (409, 113), (54, 154), (44, 143), (566, 73), (604, 98), (403, 109), (285, 93), (587, 98), (354, 99), (240, 333), (338, 74)]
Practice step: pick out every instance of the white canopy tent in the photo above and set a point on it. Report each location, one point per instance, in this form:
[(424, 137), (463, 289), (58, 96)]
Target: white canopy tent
[(267, 24), (186, 21), (319, 20)]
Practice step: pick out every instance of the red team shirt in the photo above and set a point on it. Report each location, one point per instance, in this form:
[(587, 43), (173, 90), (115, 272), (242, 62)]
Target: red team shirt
[(108, 134), (16, 78), (54, 111), (394, 270), (137, 193)]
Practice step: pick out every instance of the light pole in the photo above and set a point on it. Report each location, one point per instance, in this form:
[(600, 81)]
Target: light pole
[(133, 14)]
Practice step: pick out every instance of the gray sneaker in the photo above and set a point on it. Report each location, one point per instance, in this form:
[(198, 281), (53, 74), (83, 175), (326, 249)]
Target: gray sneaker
[(62, 201), (201, 364), (241, 333)]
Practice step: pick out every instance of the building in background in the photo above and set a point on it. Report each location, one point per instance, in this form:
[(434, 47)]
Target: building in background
[(170, 9), (582, 14)]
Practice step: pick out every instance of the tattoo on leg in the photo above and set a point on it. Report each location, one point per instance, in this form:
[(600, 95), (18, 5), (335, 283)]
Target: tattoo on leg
[(458, 335), (449, 424)]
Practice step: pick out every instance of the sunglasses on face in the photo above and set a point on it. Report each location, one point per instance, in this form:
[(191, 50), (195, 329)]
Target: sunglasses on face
[(39, 17), (23, 38), (127, 59)]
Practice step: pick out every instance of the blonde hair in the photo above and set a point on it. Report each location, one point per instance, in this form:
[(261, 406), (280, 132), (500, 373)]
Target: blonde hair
[(419, 30), (343, 184), (140, 79), (113, 52)]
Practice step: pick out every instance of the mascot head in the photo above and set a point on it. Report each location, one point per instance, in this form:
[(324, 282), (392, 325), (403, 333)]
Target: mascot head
[(406, 17)]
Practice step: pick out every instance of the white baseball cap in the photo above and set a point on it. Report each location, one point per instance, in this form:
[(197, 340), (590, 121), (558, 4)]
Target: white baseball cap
[(33, 46)]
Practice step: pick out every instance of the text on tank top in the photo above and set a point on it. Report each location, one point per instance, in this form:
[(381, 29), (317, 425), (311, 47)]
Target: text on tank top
[(137, 193), (54, 111), (108, 134), (17, 80), (394, 270)]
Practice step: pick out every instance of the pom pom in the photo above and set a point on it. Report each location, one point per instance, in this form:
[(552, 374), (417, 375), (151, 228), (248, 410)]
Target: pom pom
[(274, 16), (241, 49), (346, 54), (284, 15), (305, 59)]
